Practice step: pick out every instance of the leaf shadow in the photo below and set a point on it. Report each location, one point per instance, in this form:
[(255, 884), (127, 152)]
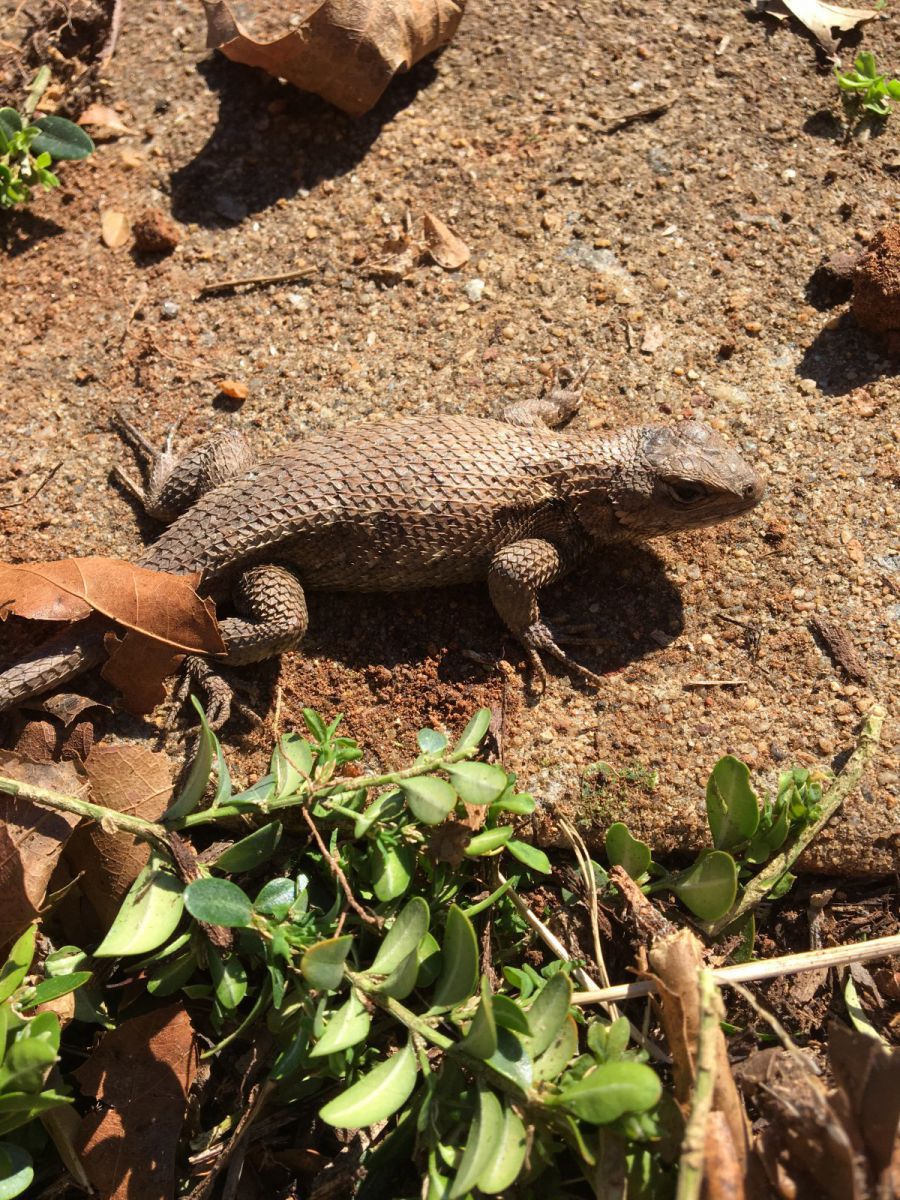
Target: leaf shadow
[(272, 140)]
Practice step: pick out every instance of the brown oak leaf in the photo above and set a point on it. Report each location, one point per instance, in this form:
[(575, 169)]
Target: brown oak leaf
[(346, 51)]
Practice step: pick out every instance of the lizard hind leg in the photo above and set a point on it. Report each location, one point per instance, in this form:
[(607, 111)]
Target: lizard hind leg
[(174, 482), (272, 617), (556, 407)]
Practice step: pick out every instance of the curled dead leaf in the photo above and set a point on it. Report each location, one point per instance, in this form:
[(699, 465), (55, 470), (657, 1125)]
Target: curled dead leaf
[(104, 119), (31, 839), (346, 51), (131, 779), (447, 250), (115, 229), (141, 1073), (820, 18)]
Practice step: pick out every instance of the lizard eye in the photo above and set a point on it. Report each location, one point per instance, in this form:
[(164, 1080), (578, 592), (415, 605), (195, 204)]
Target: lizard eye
[(686, 493)]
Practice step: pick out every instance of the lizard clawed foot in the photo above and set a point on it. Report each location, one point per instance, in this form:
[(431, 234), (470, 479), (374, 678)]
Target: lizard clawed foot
[(537, 639), (219, 694), (566, 392)]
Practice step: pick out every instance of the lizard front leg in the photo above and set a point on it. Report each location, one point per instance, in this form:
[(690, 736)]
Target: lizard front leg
[(174, 481), (272, 618), (514, 577)]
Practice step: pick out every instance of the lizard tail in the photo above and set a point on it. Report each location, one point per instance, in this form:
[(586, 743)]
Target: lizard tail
[(54, 662)]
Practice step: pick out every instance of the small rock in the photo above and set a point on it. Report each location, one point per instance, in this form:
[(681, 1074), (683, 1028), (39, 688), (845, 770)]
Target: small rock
[(474, 290), (876, 283), (155, 232), (807, 386), (169, 310)]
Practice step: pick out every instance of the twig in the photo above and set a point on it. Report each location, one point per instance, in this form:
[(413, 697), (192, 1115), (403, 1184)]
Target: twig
[(693, 1145), (692, 683), (762, 883), (369, 918), (806, 1061), (226, 285), (40, 487), (112, 40), (580, 851), (552, 941), (642, 114), (770, 968)]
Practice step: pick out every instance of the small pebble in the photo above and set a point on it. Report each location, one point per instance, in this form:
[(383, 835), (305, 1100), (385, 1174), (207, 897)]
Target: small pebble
[(807, 386), (474, 290), (169, 310)]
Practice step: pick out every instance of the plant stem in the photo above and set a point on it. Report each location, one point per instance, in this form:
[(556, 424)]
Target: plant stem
[(41, 81), (762, 883), (690, 1167), (148, 831), (324, 794)]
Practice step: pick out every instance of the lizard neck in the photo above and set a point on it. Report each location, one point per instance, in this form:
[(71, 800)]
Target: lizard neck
[(592, 471)]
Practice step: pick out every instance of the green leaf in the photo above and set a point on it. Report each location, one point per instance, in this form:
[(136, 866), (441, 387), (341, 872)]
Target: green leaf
[(609, 1091), (503, 1167), (430, 741), (16, 1170), (508, 1014), (10, 123), (429, 798), (170, 977), (732, 806), (347, 1027), (198, 776), (149, 914), (403, 937), (61, 139), (229, 977), (531, 856), (429, 956), (481, 1144), (512, 1060), (292, 764), (548, 1013), (392, 869), (323, 964), (559, 1053), (218, 902), (61, 985), (16, 966), (520, 803), (475, 730), (709, 887), (481, 1038), (478, 783), (377, 1095), (488, 841), (276, 897), (626, 851), (401, 981), (858, 1016), (251, 851), (459, 952), (383, 807)]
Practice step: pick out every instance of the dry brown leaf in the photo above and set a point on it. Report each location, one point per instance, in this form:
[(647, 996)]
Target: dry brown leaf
[(346, 51), (31, 839), (105, 119), (137, 666), (160, 606), (447, 250), (141, 1074), (115, 229), (674, 961), (820, 18), (130, 779)]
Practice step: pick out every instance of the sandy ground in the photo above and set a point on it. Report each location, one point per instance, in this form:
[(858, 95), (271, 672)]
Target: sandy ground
[(673, 253)]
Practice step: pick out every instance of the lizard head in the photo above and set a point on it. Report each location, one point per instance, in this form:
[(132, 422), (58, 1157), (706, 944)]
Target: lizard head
[(667, 479)]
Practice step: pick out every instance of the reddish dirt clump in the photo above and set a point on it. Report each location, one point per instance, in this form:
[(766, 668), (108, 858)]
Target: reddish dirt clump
[(876, 284), (155, 232)]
